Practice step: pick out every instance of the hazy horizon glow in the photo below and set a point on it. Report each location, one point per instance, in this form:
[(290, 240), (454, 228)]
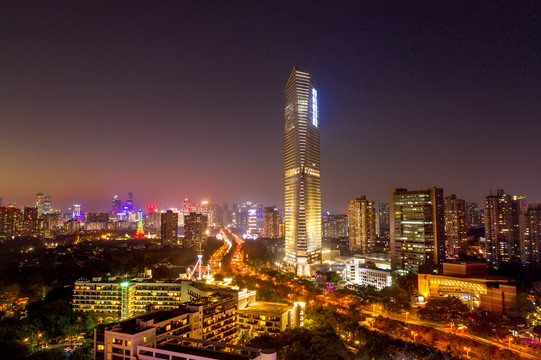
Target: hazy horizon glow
[(185, 99)]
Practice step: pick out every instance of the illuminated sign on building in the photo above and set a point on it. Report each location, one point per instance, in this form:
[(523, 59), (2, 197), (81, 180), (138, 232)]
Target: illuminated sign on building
[(314, 107)]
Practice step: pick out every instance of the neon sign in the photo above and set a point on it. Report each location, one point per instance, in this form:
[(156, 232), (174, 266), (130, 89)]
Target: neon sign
[(314, 107)]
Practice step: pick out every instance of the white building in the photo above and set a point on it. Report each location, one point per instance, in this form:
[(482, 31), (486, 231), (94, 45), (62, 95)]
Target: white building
[(358, 271)]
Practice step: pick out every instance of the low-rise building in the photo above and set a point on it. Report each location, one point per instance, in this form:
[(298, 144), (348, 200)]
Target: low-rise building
[(364, 271), (168, 335), (466, 281)]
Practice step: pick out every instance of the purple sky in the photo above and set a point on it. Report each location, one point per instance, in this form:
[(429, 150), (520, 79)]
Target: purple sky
[(185, 98)]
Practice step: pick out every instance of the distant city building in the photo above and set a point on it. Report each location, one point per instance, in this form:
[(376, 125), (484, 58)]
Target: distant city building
[(502, 228), (76, 213), (271, 224), (44, 204), (334, 226), (10, 218), (252, 222), (30, 223), (129, 203), (474, 216), (383, 216), (169, 228), (96, 221), (362, 224), (532, 235), (417, 228), (455, 224), (195, 229), (302, 173), (116, 206)]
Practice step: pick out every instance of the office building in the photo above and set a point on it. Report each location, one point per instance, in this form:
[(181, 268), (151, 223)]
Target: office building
[(455, 224), (364, 272), (302, 173), (195, 229), (334, 226), (362, 224), (271, 222), (417, 229), (169, 228), (502, 228)]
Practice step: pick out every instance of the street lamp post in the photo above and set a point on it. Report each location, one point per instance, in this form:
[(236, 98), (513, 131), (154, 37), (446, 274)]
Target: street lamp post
[(467, 350), (407, 313), (373, 309), (510, 339), (414, 334)]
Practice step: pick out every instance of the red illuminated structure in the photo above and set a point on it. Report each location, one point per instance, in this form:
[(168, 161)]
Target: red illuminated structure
[(140, 234)]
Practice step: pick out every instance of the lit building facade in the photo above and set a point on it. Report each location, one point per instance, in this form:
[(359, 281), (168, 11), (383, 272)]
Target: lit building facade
[(362, 224), (169, 227), (357, 271), (271, 222), (455, 224), (302, 173), (195, 229), (417, 229), (502, 228), (334, 226)]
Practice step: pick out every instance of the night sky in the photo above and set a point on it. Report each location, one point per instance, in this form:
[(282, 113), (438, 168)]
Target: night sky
[(185, 98)]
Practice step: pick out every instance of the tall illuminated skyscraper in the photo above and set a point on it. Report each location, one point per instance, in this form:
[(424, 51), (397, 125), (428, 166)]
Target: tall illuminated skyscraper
[(302, 173)]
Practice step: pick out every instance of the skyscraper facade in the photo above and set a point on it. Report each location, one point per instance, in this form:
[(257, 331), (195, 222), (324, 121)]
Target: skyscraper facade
[(455, 224), (532, 246), (417, 229), (271, 224), (169, 227), (195, 229), (302, 173), (362, 224), (502, 228)]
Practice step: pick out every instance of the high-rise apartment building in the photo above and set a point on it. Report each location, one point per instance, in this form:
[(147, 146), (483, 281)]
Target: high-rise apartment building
[(302, 172), (455, 224), (502, 228), (383, 212), (30, 223), (417, 229), (195, 229), (10, 218), (169, 227), (474, 216), (532, 243), (362, 224), (271, 222)]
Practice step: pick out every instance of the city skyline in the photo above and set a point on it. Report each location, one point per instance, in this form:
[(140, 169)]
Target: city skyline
[(89, 113)]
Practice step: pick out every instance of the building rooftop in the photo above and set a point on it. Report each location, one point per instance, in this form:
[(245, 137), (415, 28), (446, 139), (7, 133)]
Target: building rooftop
[(267, 308), (133, 325), (219, 355)]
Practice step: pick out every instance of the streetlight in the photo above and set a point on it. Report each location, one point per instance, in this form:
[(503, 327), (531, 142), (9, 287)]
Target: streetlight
[(407, 313), (467, 350), (373, 308), (371, 321), (510, 339), (414, 334)]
